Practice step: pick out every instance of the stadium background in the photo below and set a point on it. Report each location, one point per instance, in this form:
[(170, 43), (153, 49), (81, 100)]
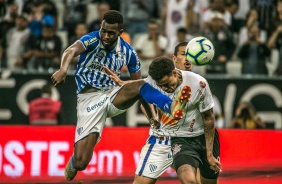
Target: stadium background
[(38, 154)]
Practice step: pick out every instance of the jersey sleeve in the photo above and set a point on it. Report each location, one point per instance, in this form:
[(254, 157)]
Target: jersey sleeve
[(206, 101), (134, 62), (89, 40)]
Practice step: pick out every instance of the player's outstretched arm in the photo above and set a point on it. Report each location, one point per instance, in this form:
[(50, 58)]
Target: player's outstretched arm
[(150, 115), (72, 51)]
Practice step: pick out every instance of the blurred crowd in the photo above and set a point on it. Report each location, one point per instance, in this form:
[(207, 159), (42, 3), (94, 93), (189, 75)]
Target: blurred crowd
[(247, 34)]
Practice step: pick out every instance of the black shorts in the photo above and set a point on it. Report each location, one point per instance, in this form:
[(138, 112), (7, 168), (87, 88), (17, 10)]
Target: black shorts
[(192, 151)]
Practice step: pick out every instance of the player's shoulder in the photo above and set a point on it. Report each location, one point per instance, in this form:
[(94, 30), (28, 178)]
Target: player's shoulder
[(93, 34), (90, 38), (191, 74), (125, 44), (193, 77), (127, 49)]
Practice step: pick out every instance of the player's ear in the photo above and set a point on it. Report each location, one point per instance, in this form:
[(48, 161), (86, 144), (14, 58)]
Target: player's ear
[(174, 73), (120, 31), (174, 59)]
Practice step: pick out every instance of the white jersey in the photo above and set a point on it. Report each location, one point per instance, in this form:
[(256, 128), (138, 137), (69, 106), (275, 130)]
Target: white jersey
[(191, 124)]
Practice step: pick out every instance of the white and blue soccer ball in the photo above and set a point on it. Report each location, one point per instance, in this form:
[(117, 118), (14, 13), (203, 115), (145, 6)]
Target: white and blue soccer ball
[(200, 51)]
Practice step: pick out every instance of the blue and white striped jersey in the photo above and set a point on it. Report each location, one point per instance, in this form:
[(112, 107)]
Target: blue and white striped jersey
[(89, 67)]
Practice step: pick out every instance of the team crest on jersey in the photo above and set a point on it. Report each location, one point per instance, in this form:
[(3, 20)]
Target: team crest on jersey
[(176, 148), (101, 54), (120, 56), (203, 84)]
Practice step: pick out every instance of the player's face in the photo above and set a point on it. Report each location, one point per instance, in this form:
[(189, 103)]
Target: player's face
[(109, 34), (169, 83), (181, 61)]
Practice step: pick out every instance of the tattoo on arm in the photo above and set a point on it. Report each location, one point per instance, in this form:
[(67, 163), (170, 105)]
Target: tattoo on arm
[(209, 129)]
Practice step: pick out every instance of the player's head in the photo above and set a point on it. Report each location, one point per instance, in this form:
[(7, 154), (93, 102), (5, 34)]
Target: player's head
[(162, 70), (111, 28), (179, 58), (46, 89), (181, 34)]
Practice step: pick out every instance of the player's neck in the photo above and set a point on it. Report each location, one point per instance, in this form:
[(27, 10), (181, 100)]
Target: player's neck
[(179, 78), (112, 47)]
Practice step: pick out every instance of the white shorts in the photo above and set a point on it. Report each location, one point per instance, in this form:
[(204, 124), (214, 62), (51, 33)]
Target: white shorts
[(92, 111), (155, 158)]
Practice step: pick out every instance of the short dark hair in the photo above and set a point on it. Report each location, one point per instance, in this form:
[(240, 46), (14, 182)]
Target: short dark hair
[(182, 30), (161, 67), (176, 49), (47, 88), (113, 16)]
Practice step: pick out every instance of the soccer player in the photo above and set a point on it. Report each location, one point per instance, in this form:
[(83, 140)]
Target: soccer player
[(97, 96), (194, 140), (156, 155)]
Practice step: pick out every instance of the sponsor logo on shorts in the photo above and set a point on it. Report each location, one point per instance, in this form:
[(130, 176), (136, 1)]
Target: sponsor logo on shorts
[(169, 155), (152, 167), (93, 107), (79, 130), (176, 148)]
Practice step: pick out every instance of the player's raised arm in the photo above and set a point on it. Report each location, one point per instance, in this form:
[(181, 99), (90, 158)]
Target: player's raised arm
[(72, 51)]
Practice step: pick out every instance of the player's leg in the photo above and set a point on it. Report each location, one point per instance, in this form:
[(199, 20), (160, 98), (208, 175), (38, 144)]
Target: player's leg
[(135, 89), (155, 158), (83, 151), (131, 92), (90, 123), (186, 168), (186, 159), (209, 181), (143, 180), (198, 176)]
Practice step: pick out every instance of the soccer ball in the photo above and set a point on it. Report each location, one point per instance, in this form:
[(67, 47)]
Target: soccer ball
[(199, 51)]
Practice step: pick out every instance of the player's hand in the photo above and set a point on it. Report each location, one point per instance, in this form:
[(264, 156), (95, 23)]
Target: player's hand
[(154, 123), (214, 164), (114, 77), (59, 77)]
